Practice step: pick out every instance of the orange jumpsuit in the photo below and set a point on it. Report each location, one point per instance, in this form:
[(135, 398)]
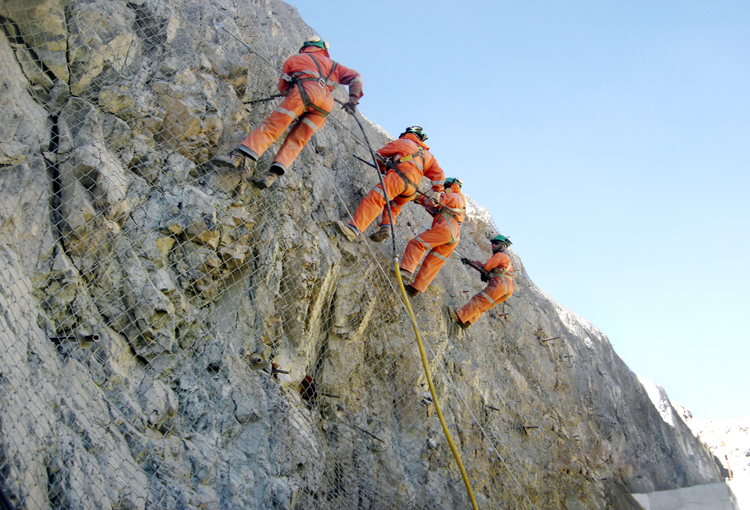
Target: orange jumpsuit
[(413, 160), (498, 290), (318, 75), (439, 241)]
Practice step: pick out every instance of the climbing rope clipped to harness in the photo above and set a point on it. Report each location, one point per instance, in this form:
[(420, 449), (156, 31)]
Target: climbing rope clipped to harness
[(422, 352), (401, 285)]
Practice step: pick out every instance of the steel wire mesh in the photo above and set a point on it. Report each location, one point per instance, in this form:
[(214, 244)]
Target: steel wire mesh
[(138, 281)]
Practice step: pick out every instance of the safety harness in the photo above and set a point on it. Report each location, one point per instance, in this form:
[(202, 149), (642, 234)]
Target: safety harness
[(500, 272), (389, 163), (497, 273), (449, 213), (297, 79)]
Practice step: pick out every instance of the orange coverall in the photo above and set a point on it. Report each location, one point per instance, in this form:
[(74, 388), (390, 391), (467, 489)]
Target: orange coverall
[(413, 160), (498, 290), (439, 241), (319, 77)]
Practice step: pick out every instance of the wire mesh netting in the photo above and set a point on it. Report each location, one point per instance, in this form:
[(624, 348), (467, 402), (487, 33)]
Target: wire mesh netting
[(173, 337)]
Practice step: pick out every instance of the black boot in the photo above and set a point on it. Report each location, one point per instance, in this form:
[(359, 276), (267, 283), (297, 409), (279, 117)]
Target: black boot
[(381, 234), (265, 181), (236, 158), (232, 160)]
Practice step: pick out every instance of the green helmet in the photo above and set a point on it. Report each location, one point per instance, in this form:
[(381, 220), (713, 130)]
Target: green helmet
[(417, 130), (450, 180), (315, 41), (501, 239)]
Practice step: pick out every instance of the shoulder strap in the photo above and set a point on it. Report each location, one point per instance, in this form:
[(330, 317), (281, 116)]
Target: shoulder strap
[(323, 81), (420, 152)]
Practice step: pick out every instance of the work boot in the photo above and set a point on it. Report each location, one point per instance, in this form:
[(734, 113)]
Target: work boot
[(456, 319), (411, 290), (235, 158), (350, 231), (453, 315), (265, 181), (381, 234), (406, 276)]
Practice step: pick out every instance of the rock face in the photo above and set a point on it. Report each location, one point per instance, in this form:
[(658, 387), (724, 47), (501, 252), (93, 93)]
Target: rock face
[(729, 440), (145, 293)]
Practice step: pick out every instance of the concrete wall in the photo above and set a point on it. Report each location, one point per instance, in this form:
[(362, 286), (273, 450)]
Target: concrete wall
[(714, 496), (740, 487)]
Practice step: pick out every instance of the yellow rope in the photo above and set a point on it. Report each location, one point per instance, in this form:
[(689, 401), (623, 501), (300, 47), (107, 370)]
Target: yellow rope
[(432, 387)]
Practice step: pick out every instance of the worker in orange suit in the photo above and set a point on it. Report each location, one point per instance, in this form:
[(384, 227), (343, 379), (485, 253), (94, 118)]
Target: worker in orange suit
[(306, 81), (499, 271), (439, 241), (404, 161)]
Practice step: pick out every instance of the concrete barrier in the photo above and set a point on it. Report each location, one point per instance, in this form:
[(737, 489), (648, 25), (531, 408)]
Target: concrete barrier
[(740, 487), (714, 496)]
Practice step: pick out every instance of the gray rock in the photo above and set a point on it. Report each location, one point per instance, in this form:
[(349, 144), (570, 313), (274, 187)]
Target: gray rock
[(115, 222)]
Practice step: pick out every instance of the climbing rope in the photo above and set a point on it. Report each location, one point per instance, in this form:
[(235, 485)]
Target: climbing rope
[(432, 388), (422, 353), (380, 178), (230, 309), (406, 301)]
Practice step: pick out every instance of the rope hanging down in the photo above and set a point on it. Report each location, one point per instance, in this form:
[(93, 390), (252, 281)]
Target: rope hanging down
[(422, 352), (380, 178), (433, 393)]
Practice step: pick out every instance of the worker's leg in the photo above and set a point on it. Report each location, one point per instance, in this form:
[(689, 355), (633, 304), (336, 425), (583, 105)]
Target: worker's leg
[(496, 292), (275, 124), (295, 141), (373, 203), (433, 262)]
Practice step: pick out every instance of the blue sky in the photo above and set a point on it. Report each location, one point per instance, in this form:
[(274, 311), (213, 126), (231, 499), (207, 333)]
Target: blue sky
[(610, 140)]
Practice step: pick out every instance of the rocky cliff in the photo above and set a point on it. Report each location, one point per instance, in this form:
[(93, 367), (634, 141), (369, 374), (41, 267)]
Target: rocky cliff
[(144, 294)]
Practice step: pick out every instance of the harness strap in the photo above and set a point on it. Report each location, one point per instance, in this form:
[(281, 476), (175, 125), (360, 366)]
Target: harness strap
[(499, 273), (323, 82), (306, 99), (447, 215), (407, 181), (455, 211), (410, 157)]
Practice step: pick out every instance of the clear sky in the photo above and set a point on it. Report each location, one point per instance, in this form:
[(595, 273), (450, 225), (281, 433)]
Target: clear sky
[(610, 140)]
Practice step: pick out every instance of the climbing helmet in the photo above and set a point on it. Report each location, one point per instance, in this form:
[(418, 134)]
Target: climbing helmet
[(315, 41), (450, 180), (417, 130), (500, 239)]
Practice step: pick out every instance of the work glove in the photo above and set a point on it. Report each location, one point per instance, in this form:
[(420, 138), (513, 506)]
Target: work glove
[(382, 163), (351, 106), (433, 197)]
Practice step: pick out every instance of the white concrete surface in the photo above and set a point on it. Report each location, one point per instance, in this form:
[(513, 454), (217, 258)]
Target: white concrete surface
[(740, 486), (714, 496)]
